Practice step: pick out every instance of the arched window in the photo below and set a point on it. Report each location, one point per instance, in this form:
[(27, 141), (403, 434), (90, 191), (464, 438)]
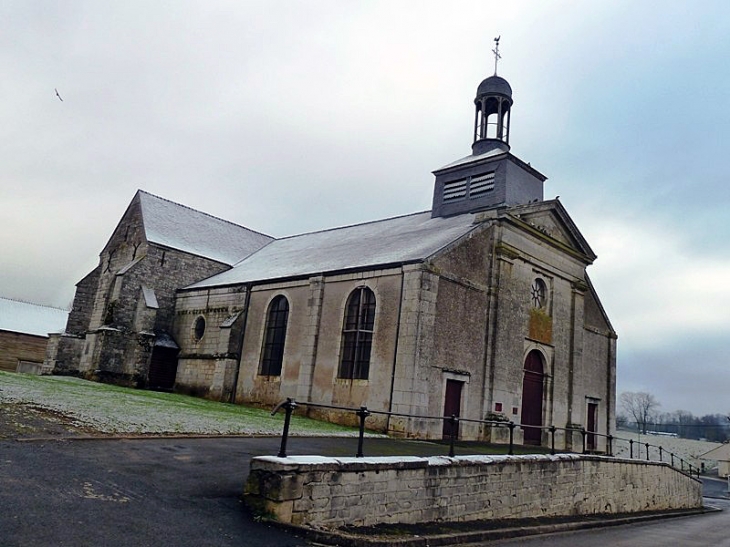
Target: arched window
[(357, 335), (272, 353)]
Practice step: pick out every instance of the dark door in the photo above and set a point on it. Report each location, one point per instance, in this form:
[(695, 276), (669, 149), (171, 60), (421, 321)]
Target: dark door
[(532, 398), (452, 404), (592, 423), (163, 368)]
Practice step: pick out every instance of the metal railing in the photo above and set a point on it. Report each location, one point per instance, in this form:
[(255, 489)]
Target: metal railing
[(362, 413)]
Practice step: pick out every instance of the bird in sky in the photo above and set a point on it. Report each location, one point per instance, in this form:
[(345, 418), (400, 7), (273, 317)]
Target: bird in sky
[(57, 94)]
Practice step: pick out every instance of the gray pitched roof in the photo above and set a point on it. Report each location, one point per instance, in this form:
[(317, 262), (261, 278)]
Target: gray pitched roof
[(396, 240), (185, 229), (26, 318)]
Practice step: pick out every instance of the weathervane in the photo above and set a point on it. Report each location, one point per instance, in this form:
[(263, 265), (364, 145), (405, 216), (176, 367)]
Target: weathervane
[(497, 56)]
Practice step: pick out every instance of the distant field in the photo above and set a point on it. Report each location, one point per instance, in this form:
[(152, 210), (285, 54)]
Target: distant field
[(687, 449), (112, 409)]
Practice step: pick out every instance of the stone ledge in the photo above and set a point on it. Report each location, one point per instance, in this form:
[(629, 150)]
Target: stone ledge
[(329, 492)]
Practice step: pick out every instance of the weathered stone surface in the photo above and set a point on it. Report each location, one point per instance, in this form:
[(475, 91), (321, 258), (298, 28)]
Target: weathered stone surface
[(369, 491)]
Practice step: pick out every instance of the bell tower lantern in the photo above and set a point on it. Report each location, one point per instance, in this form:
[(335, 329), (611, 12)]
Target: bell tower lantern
[(491, 176), (491, 121), (493, 103)]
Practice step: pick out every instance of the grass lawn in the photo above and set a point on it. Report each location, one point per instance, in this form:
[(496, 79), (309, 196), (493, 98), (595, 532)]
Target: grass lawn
[(113, 409)]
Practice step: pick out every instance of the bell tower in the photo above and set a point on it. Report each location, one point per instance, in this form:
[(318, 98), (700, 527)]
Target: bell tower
[(491, 176), (493, 104)]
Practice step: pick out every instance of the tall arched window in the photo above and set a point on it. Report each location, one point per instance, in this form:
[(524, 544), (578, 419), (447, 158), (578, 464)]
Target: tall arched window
[(357, 335), (272, 353)]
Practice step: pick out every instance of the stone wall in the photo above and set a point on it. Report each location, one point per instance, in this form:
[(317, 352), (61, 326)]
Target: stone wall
[(207, 365), (329, 492)]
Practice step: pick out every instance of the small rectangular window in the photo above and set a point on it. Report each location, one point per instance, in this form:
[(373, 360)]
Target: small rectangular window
[(481, 184), (454, 190)]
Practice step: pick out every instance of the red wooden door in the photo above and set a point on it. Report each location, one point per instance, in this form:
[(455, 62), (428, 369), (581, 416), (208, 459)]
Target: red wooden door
[(532, 398), (452, 404), (592, 423)]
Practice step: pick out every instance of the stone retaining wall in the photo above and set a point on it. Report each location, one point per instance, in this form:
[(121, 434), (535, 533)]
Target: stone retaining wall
[(334, 492)]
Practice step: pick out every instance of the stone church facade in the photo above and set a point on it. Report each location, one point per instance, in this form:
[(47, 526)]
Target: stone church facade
[(119, 325), (481, 307)]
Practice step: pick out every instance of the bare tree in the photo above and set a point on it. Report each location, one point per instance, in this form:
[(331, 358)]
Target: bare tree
[(640, 405)]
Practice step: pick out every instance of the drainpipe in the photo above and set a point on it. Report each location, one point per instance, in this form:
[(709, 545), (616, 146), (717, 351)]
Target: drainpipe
[(490, 331), (240, 343), (395, 351)]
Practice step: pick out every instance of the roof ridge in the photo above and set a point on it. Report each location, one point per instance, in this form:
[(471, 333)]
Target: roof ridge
[(139, 190), (352, 225), (21, 301)]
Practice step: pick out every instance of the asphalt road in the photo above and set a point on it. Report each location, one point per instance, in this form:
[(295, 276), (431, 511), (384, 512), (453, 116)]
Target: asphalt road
[(709, 530), (186, 492), (119, 493)]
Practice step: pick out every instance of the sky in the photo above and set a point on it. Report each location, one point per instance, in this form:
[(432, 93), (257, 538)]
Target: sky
[(294, 116)]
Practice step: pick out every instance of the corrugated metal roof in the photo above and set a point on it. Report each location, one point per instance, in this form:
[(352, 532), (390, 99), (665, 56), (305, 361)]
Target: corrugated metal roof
[(395, 240), (180, 227), (25, 318)]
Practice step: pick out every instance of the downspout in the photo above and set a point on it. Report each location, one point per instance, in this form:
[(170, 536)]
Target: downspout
[(611, 383), (490, 331), (395, 351), (571, 359), (240, 343)]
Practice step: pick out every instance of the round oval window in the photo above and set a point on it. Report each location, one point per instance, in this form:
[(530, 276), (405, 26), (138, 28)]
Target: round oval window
[(199, 328), (539, 293)]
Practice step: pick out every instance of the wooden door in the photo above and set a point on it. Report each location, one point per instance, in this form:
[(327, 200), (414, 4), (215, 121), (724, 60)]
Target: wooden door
[(452, 404), (532, 392), (591, 426)]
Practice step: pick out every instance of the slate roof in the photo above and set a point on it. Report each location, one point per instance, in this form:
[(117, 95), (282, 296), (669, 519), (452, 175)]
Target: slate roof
[(185, 229), (494, 84), (397, 240), (25, 318), (472, 158)]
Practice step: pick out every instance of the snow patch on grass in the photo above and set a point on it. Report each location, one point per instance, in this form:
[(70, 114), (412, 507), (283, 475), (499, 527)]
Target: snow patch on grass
[(688, 449), (118, 410)]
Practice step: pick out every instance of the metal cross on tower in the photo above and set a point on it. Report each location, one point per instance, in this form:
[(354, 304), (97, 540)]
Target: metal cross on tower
[(497, 56)]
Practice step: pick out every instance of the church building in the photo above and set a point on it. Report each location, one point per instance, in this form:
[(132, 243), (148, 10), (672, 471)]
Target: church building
[(481, 307)]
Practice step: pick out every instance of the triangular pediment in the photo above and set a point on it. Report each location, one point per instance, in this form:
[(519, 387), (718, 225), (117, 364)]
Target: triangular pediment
[(550, 219)]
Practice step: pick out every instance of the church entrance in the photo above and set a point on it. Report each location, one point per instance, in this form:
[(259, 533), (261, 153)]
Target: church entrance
[(532, 387), (452, 404), (163, 363)]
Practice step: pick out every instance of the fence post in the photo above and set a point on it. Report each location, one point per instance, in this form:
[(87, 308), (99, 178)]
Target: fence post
[(660, 454), (362, 414), (609, 440), (647, 451), (289, 406), (511, 426), (583, 434), (631, 448), (672, 456), (552, 440), (454, 432)]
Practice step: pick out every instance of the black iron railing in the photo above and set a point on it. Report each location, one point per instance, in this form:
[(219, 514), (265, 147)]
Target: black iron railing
[(362, 413)]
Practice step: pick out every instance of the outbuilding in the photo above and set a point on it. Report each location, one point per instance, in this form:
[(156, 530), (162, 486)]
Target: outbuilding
[(24, 332)]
